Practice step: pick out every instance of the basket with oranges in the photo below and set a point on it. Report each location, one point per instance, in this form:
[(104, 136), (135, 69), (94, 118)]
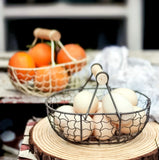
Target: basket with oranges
[(45, 68)]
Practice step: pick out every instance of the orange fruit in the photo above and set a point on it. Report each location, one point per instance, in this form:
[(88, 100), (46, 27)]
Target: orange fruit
[(22, 60), (51, 79), (75, 51), (41, 53)]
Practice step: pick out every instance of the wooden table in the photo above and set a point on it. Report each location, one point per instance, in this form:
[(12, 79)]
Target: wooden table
[(24, 153), (149, 145), (8, 94)]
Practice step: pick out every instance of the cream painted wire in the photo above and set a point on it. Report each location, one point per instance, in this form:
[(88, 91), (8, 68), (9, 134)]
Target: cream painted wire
[(34, 42), (67, 53), (53, 62), (19, 84), (52, 53), (75, 79)]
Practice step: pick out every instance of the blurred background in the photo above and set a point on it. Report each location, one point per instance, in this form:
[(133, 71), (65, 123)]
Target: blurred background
[(91, 23), (94, 24)]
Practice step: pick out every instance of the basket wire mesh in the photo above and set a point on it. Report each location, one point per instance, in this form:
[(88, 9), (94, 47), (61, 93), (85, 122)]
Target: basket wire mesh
[(101, 128)]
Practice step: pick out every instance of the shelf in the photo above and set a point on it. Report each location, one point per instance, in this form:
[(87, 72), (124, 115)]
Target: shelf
[(130, 12), (65, 10)]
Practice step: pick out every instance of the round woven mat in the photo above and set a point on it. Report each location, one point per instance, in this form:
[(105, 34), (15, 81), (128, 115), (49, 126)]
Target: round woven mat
[(48, 142)]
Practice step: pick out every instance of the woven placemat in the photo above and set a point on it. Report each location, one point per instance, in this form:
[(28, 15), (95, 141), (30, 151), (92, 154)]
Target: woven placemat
[(46, 143)]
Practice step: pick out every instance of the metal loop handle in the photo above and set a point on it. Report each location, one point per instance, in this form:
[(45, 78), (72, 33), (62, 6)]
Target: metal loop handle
[(102, 79), (101, 76)]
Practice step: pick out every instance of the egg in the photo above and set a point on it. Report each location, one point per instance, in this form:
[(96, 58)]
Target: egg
[(82, 101), (103, 129), (122, 104), (62, 118), (99, 107), (129, 94), (79, 129), (137, 122)]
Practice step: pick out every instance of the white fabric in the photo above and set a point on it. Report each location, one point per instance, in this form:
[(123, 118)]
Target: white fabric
[(133, 73)]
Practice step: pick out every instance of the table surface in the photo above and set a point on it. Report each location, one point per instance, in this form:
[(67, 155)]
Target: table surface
[(24, 152), (8, 94)]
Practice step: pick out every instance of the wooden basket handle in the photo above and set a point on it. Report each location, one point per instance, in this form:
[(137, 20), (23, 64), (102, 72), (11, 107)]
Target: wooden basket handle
[(101, 76), (47, 34)]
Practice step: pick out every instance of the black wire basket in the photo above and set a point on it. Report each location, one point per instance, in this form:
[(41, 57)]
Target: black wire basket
[(98, 127)]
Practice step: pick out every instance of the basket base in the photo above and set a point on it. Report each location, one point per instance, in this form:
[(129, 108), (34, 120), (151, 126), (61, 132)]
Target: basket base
[(46, 144)]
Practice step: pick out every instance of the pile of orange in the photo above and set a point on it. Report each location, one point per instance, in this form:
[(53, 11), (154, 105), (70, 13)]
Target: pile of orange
[(22, 61), (51, 79), (41, 54), (36, 65), (76, 52)]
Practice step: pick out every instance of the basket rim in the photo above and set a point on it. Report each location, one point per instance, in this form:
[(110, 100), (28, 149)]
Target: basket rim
[(147, 107), (51, 66)]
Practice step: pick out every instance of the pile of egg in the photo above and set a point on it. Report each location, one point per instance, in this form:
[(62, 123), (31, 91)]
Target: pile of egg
[(98, 124)]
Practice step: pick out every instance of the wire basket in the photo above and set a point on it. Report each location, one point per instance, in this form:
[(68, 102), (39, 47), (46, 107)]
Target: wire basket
[(53, 78), (99, 127)]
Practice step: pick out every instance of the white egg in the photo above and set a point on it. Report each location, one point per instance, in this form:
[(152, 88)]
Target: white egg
[(122, 104), (129, 94), (103, 129), (79, 129), (82, 101), (137, 122), (99, 106), (62, 118)]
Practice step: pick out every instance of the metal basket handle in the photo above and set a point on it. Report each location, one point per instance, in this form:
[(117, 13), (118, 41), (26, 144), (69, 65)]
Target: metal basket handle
[(47, 34), (101, 79), (52, 35), (101, 76)]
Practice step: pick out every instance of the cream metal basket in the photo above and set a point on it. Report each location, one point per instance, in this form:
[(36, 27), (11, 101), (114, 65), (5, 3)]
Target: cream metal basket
[(23, 79)]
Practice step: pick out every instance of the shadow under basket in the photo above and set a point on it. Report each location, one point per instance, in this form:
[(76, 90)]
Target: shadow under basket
[(101, 128)]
